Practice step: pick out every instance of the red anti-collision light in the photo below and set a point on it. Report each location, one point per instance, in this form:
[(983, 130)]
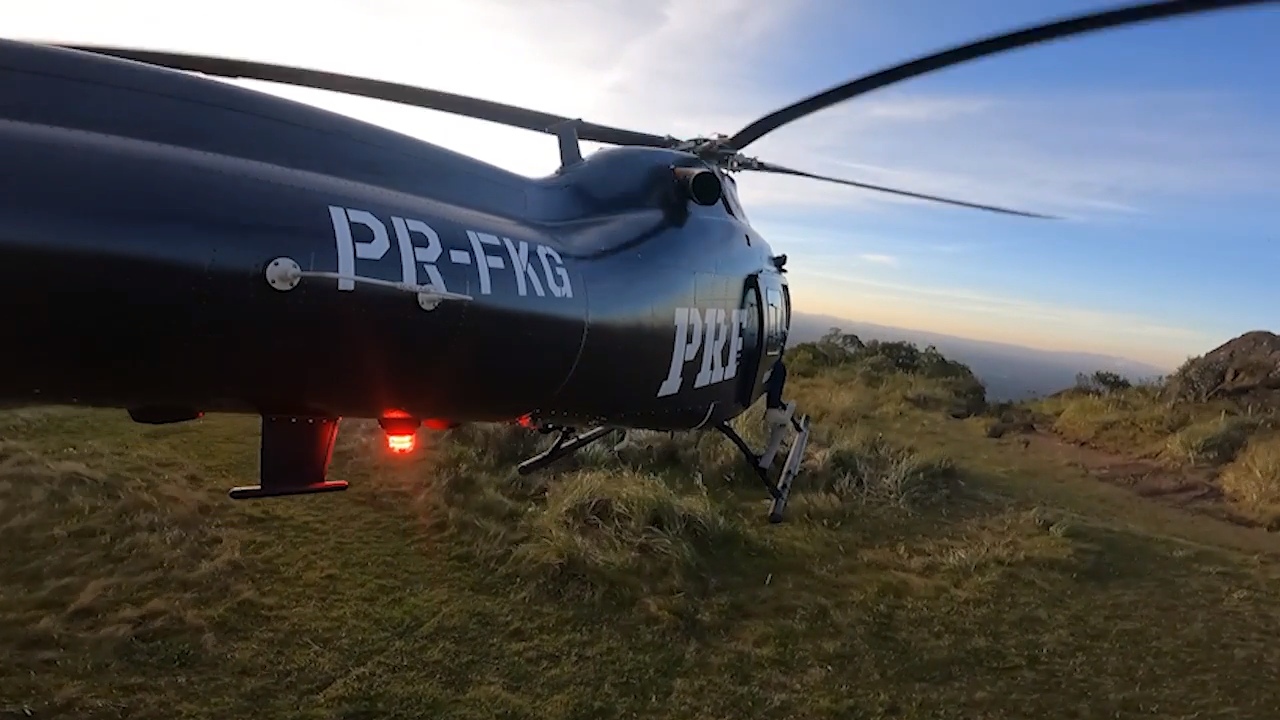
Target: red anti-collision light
[(401, 443)]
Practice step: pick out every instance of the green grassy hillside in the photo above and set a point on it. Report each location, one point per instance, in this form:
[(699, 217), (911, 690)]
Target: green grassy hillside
[(1232, 445), (926, 570)]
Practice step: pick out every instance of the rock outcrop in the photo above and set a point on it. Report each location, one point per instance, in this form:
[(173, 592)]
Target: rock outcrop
[(1246, 369)]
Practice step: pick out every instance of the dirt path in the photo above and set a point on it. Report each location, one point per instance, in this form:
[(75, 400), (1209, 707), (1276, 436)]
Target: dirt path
[(1194, 489)]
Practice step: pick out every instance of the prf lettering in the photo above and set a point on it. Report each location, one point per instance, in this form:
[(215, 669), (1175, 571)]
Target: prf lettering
[(710, 338)]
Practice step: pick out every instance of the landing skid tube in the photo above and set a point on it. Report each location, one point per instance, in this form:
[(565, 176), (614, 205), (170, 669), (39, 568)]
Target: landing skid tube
[(294, 459), (566, 444), (781, 490)]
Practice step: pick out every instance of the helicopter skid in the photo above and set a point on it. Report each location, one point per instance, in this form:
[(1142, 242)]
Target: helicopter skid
[(566, 444), (780, 492), (790, 470)]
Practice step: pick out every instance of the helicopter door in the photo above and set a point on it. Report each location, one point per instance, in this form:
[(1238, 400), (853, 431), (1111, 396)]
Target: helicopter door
[(766, 305), (772, 309), (749, 360)]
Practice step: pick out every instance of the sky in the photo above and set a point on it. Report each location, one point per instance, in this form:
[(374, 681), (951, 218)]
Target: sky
[(1154, 143)]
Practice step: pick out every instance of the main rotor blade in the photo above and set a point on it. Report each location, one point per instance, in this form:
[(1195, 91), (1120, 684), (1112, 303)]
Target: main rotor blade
[(981, 48), (381, 90), (771, 168)]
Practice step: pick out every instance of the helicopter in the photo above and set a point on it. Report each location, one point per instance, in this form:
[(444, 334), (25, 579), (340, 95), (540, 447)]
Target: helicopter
[(174, 245)]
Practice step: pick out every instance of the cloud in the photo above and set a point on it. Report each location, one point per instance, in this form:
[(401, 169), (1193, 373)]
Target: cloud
[(878, 259), (1104, 330)]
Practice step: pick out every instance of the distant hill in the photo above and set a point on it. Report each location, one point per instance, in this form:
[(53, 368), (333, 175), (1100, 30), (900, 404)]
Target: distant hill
[(1010, 372)]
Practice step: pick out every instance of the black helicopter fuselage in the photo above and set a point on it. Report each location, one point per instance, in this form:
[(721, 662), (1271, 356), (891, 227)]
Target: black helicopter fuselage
[(143, 212)]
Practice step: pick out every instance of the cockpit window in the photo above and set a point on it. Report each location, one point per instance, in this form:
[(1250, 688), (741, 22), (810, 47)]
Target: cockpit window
[(774, 323)]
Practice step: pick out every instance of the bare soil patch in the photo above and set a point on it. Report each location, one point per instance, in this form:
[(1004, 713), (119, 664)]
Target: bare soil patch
[(1194, 489)]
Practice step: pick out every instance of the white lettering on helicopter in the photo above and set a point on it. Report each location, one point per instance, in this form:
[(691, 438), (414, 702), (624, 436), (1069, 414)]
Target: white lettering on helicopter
[(704, 334), (554, 276)]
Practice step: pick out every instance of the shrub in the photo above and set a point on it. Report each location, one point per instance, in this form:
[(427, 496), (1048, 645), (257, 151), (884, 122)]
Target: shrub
[(1253, 479), (1210, 442), (873, 468), (924, 378), (1197, 379), (1102, 382)]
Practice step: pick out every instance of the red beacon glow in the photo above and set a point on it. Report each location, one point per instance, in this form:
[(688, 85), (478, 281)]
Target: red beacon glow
[(401, 443), (401, 430)]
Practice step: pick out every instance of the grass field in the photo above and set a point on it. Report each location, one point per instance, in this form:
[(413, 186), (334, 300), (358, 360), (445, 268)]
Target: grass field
[(925, 570)]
